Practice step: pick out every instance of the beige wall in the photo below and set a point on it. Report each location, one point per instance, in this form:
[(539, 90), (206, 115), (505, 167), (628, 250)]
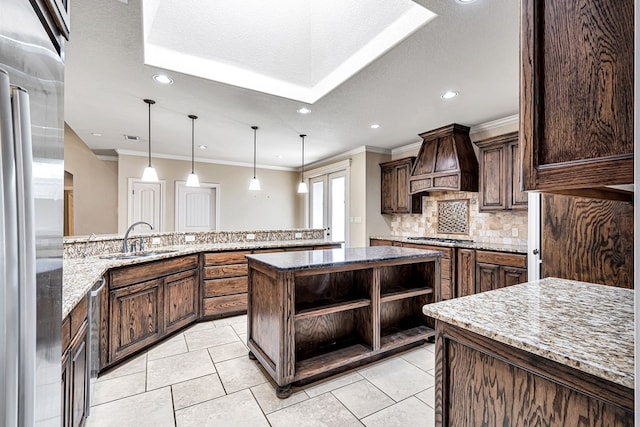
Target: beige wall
[(277, 206), (95, 187), (364, 196), (377, 224)]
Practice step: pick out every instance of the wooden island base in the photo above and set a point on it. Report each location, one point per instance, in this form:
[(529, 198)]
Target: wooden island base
[(312, 314)]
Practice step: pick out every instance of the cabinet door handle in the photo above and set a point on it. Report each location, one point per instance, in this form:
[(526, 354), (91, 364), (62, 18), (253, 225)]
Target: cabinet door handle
[(536, 252)]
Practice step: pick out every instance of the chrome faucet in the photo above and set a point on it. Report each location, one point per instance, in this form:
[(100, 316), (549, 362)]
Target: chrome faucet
[(125, 248)]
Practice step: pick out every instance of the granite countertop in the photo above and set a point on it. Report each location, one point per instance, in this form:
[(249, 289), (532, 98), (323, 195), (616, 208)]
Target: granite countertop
[(79, 274), (586, 326), (521, 249), (334, 257)]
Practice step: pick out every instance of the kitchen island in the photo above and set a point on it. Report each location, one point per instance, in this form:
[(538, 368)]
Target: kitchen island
[(550, 352), (312, 313)]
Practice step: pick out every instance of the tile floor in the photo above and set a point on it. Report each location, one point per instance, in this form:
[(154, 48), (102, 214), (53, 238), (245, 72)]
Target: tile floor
[(203, 377)]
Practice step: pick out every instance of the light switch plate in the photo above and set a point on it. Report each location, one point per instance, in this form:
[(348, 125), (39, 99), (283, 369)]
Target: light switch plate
[(189, 238), (514, 232), (251, 236), (297, 235), (155, 240)]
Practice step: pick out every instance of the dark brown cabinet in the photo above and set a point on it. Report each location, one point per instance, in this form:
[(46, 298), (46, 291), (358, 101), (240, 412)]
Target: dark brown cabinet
[(148, 301), (495, 270), (487, 277), (74, 380), (181, 300), (395, 188), (576, 94), (224, 284), (587, 239), (466, 272), (136, 317), (500, 174), (310, 320), (445, 290), (481, 271)]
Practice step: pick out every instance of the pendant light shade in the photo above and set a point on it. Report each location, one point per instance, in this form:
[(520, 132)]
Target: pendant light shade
[(192, 180), (254, 184), (302, 187), (149, 174)]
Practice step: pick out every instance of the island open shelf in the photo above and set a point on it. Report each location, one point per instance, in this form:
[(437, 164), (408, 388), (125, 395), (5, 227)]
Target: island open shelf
[(313, 313)]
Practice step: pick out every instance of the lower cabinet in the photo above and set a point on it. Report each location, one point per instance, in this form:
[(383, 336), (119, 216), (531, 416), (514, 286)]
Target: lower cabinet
[(466, 272), (135, 318), (74, 380), (149, 301), (225, 280), (481, 271)]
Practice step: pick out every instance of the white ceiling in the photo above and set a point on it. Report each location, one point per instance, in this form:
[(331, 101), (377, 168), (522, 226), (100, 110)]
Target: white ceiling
[(472, 49), (296, 49)]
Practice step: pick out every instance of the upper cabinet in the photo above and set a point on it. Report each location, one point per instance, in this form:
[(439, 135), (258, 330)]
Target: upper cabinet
[(446, 162), (576, 94), (500, 174), (395, 188)]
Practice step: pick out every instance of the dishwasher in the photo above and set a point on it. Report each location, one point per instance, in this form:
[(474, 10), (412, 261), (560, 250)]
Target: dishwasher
[(93, 356)]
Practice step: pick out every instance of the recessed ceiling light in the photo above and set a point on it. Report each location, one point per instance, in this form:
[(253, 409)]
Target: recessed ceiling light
[(132, 138), (162, 78), (375, 126), (96, 134), (202, 147), (304, 110), (449, 94), (465, 1)]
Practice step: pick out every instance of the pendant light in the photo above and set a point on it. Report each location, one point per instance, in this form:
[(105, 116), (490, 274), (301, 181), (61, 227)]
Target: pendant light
[(302, 187), (254, 184), (192, 180), (149, 174)]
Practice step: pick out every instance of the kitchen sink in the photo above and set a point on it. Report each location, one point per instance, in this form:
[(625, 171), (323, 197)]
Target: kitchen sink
[(135, 255)]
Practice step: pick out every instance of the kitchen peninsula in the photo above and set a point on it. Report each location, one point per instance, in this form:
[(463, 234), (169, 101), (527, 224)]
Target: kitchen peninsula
[(312, 313), (554, 351)]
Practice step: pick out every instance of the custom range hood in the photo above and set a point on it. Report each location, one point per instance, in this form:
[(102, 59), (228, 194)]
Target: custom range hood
[(446, 162)]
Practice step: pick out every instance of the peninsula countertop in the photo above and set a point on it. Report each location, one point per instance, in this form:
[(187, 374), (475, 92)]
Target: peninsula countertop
[(586, 326), (333, 257), (467, 244), (79, 274)]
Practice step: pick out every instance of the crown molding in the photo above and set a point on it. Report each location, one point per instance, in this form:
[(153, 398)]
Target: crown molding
[(203, 160), (482, 127)]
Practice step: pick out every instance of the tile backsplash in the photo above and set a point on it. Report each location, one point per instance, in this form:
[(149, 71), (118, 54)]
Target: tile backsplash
[(484, 227), (79, 247)]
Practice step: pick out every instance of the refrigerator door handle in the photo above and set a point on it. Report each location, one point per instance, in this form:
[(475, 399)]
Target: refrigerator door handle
[(9, 335), (26, 255)]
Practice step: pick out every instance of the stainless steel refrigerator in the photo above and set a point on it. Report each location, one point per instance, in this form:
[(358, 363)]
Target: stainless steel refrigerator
[(31, 194)]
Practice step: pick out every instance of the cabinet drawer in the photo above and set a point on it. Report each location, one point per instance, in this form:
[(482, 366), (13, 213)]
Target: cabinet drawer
[(225, 305), (151, 270), (219, 287), (217, 272), (502, 258), (224, 258)]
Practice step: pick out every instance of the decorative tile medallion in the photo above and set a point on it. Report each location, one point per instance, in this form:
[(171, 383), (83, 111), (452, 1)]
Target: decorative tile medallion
[(453, 216)]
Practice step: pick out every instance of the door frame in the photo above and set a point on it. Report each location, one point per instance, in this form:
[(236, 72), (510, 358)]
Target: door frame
[(344, 165), (163, 198), (202, 184)]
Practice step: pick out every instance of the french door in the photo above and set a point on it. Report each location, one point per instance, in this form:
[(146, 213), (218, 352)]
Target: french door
[(328, 204)]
